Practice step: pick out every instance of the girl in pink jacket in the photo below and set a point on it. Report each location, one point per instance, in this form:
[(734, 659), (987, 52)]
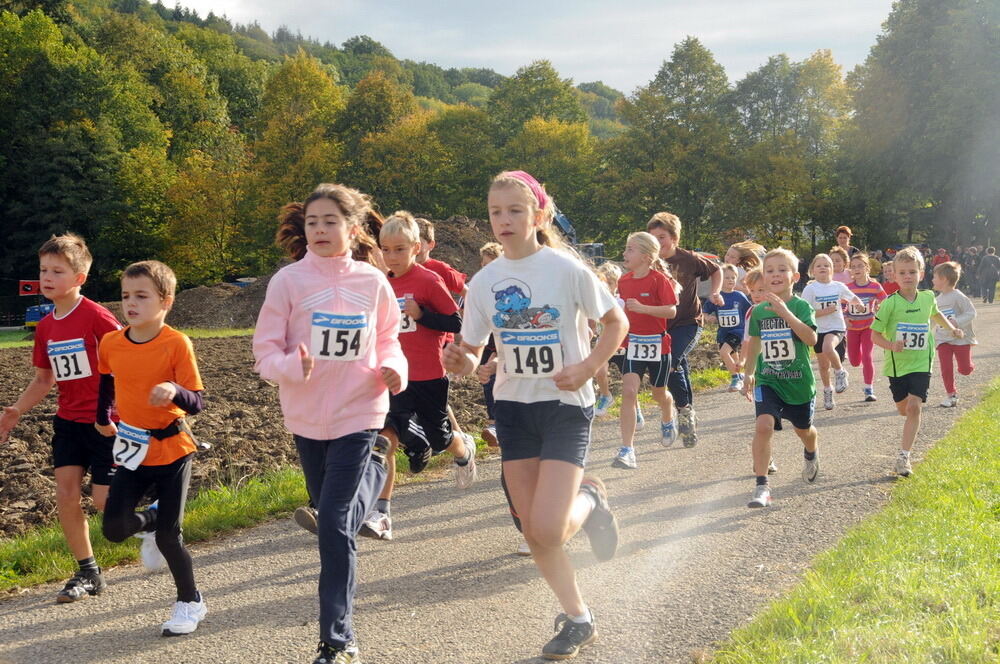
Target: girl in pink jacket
[(327, 335)]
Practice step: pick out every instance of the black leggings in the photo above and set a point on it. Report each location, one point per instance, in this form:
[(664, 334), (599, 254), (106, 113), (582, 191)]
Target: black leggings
[(121, 521)]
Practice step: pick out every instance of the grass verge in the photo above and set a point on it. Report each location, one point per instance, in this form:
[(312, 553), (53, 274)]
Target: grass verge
[(14, 339), (917, 582)]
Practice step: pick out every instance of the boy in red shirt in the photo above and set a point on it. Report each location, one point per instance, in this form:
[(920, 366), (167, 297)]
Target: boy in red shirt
[(454, 280), (65, 353), (428, 313)]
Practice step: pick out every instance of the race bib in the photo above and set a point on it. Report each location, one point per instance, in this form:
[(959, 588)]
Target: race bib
[(531, 353), (827, 301), (644, 347), (913, 335), (131, 446), (406, 324), (862, 309), (777, 345), (341, 337), (948, 313), (728, 317), (69, 359)]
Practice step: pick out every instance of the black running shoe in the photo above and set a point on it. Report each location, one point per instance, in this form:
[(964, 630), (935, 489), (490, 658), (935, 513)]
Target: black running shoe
[(80, 586), (419, 453), (573, 636), (601, 526), (380, 449), (329, 654)]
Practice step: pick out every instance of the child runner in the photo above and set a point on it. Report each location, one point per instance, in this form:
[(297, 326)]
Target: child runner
[(327, 334), (825, 296), (428, 312), (486, 373), (778, 373), (609, 274), (957, 308), (889, 284), (902, 328), (731, 318), (536, 299), (650, 299), (754, 280), (149, 372), (838, 256), (859, 320), (65, 354), (745, 256)]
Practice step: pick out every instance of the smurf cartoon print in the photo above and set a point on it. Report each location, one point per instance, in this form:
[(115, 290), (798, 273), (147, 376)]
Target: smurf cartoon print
[(514, 310)]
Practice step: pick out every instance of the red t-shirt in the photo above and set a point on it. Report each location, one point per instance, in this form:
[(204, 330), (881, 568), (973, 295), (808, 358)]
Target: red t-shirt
[(454, 280), (890, 287), (422, 345), (655, 289), (68, 346)]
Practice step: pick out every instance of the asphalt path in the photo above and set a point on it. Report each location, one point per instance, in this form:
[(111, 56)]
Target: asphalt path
[(694, 562)]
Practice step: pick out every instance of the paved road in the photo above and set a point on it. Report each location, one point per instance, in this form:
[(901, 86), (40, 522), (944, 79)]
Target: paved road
[(694, 563)]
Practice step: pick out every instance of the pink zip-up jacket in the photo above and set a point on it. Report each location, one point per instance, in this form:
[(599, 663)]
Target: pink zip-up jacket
[(340, 397)]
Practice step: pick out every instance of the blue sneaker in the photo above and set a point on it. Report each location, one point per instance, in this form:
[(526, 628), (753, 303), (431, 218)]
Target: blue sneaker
[(640, 421), (604, 402), (735, 383), (624, 458), (668, 433)]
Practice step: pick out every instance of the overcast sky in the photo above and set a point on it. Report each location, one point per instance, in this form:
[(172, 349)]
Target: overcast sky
[(622, 43)]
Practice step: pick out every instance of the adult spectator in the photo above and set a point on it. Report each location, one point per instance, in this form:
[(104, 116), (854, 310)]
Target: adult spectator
[(989, 274), (685, 328), (970, 268), (942, 256), (844, 241)]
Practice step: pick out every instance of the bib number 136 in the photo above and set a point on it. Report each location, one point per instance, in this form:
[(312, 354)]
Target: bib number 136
[(532, 354), (913, 335), (338, 336)]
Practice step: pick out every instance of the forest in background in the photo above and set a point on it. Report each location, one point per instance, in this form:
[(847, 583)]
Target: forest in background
[(157, 133)]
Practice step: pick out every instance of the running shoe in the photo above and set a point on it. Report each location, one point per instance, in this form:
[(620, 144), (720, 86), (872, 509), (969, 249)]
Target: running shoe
[(489, 434), (601, 526), (761, 496), (687, 423), (377, 526), (570, 638), (465, 476), (523, 549), (640, 421), (668, 432), (828, 398), (604, 402), (150, 554), (903, 467), (810, 468), (840, 380), (306, 517), (80, 586), (419, 453), (870, 394), (950, 401), (625, 458), (328, 654), (771, 468), (735, 383), (186, 617)]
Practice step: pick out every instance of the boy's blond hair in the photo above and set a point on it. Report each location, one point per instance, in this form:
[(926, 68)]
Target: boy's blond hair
[(609, 273), (491, 250), (426, 229), (671, 223), (787, 254), (951, 271), (71, 248), (728, 268), (160, 274), (909, 255), (401, 223), (753, 276)]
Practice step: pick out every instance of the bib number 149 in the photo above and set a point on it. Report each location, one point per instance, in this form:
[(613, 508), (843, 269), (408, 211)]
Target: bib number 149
[(532, 353)]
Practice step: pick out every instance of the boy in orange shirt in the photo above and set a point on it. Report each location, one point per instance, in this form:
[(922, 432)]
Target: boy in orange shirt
[(149, 370)]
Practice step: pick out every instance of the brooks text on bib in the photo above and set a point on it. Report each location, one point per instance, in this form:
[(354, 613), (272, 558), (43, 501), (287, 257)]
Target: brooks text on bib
[(531, 353), (69, 359), (131, 446)]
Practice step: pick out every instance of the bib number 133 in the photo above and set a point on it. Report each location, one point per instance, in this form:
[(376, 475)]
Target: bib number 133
[(338, 337), (532, 354)]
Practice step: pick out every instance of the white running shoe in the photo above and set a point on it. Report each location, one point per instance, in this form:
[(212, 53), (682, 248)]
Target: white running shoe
[(828, 398), (377, 526), (950, 401), (840, 380), (625, 458), (603, 404), (761, 496), (903, 467), (640, 421), (523, 549), (150, 554), (668, 432), (465, 476), (186, 617), (810, 468), (489, 434)]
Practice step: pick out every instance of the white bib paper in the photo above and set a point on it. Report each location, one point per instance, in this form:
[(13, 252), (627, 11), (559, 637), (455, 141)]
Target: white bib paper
[(340, 337), (913, 335), (644, 347), (69, 359), (728, 317), (531, 353), (131, 446), (777, 345), (406, 324), (862, 309)]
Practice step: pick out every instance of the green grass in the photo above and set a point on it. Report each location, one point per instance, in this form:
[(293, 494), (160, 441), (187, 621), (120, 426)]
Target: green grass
[(705, 379), (917, 582), (41, 554), (215, 333), (14, 339)]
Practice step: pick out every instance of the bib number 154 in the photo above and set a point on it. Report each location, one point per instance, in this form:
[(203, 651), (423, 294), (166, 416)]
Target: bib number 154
[(338, 337)]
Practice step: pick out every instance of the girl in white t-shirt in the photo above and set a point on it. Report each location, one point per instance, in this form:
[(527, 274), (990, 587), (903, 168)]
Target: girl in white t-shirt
[(825, 295), (536, 300)]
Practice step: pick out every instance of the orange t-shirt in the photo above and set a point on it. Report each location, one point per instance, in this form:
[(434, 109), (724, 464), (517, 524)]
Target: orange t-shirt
[(138, 368)]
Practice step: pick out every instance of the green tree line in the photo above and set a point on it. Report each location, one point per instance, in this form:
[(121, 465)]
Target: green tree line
[(158, 133)]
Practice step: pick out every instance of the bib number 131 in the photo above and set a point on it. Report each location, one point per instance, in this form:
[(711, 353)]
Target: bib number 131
[(69, 360), (338, 337), (532, 354)]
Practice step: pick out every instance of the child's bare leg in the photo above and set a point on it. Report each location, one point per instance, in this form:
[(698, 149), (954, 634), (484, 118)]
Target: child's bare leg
[(630, 401), (666, 402), (830, 351), (390, 464), (762, 434), (911, 407), (603, 385), (824, 369), (726, 352)]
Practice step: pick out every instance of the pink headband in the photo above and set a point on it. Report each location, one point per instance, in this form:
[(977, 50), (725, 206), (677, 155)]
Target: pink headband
[(532, 183)]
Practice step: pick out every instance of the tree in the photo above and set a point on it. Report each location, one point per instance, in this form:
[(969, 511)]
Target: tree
[(467, 136), (375, 104), (534, 91)]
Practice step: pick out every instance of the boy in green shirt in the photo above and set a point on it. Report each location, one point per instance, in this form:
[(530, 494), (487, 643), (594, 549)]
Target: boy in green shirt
[(904, 318), (782, 328)]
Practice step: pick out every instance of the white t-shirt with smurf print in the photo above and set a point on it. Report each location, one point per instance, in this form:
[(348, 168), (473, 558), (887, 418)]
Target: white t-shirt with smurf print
[(537, 309)]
